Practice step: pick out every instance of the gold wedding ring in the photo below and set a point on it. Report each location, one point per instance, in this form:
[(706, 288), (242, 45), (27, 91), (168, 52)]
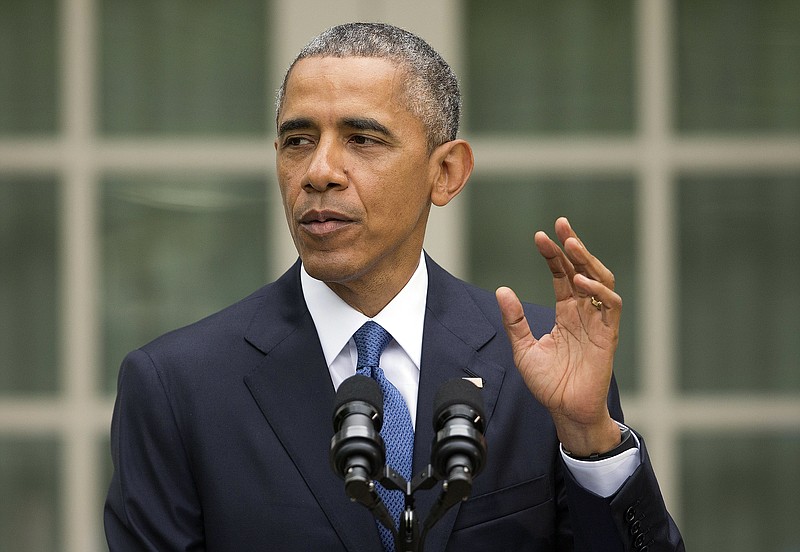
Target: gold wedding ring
[(597, 304)]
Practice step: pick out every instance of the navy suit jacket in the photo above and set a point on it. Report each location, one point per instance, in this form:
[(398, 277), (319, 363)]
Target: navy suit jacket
[(221, 433)]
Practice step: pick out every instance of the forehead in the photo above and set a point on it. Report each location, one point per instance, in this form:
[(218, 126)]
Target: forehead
[(344, 84)]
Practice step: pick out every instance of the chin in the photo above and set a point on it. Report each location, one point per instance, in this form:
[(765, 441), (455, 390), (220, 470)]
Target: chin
[(328, 268)]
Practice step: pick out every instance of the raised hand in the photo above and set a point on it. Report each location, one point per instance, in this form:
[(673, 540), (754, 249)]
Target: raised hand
[(569, 370)]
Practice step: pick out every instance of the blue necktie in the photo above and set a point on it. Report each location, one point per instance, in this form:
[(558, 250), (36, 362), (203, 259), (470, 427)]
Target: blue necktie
[(397, 430)]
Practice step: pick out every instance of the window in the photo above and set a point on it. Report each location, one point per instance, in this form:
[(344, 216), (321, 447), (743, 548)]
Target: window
[(702, 230)]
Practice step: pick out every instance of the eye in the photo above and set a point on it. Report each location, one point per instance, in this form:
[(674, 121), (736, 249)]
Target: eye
[(294, 141), (362, 140)]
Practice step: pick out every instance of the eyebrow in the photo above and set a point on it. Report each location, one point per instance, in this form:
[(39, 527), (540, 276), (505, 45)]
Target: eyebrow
[(294, 124), (367, 123), (355, 123)]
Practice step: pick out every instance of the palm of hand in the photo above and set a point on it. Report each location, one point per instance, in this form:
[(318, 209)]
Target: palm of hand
[(569, 369)]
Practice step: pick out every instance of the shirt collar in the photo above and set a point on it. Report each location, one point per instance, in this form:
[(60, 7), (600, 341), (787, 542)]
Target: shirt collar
[(336, 321)]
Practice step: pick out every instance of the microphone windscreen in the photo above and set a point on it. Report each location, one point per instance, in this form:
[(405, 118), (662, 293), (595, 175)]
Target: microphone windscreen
[(457, 391), (360, 388)]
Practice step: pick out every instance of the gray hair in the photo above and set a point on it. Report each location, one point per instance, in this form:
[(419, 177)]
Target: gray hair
[(431, 87)]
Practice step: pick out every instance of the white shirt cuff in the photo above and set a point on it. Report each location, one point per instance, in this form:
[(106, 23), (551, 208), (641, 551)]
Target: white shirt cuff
[(604, 477)]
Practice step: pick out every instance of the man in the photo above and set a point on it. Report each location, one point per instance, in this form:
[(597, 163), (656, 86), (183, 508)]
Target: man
[(221, 430)]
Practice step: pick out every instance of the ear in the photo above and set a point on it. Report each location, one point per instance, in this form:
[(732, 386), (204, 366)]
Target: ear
[(452, 163)]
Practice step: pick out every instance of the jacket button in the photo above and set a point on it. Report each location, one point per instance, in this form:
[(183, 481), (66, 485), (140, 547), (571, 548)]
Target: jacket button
[(636, 528), (639, 540), (630, 514)]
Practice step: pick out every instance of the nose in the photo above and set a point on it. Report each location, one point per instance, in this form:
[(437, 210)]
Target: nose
[(325, 170)]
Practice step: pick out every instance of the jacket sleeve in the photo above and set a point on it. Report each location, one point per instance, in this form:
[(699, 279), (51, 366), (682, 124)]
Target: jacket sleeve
[(634, 519), (152, 501)]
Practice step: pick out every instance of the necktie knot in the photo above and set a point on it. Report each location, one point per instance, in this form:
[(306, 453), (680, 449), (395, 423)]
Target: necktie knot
[(370, 339)]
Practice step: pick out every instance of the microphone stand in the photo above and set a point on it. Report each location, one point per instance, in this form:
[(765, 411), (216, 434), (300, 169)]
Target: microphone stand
[(408, 537)]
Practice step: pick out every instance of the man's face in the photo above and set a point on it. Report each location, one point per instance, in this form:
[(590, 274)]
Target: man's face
[(354, 171)]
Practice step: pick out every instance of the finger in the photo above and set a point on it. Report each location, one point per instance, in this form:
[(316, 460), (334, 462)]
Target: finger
[(514, 321), (587, 264), (561, 268), (596, 298), (581, 258), (564, 230)]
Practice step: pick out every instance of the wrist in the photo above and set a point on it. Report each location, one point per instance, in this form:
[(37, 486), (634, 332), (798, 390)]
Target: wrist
[(590, 441), (627, 442)]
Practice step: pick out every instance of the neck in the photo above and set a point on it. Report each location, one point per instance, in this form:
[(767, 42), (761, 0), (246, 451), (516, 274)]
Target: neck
[(369, 297)]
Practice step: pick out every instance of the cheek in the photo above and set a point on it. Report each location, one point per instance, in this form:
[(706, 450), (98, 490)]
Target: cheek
[(402, 207), (413, 193), (287, 177), (283, 187), (288, 197)]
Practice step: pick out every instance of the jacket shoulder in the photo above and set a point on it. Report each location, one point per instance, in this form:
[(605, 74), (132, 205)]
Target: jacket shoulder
[(237, 327)]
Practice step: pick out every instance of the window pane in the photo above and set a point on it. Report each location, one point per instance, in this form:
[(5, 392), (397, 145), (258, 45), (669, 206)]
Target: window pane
[(183, 67), (29, 485), (741, 493), (539, 66), (740, 265), (28, 74), (28, 285), (175, 250), (738, 65), (504, 213)]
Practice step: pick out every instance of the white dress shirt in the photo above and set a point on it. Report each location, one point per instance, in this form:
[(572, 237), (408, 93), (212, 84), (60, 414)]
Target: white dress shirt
[(403, 318)]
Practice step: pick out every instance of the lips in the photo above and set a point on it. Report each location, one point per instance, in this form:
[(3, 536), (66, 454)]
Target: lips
[(323, 222)]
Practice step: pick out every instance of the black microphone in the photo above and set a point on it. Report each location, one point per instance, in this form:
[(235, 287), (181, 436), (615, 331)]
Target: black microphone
[(357, 452), (459, 447)]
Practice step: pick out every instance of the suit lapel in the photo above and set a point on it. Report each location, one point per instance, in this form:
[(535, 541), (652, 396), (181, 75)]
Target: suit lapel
[(293, 389), (455, 330)]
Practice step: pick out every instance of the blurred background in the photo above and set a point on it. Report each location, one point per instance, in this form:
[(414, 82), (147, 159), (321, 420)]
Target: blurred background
[(137, 194)]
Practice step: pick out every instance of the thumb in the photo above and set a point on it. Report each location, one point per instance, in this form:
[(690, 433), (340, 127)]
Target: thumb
[(514, 321)]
